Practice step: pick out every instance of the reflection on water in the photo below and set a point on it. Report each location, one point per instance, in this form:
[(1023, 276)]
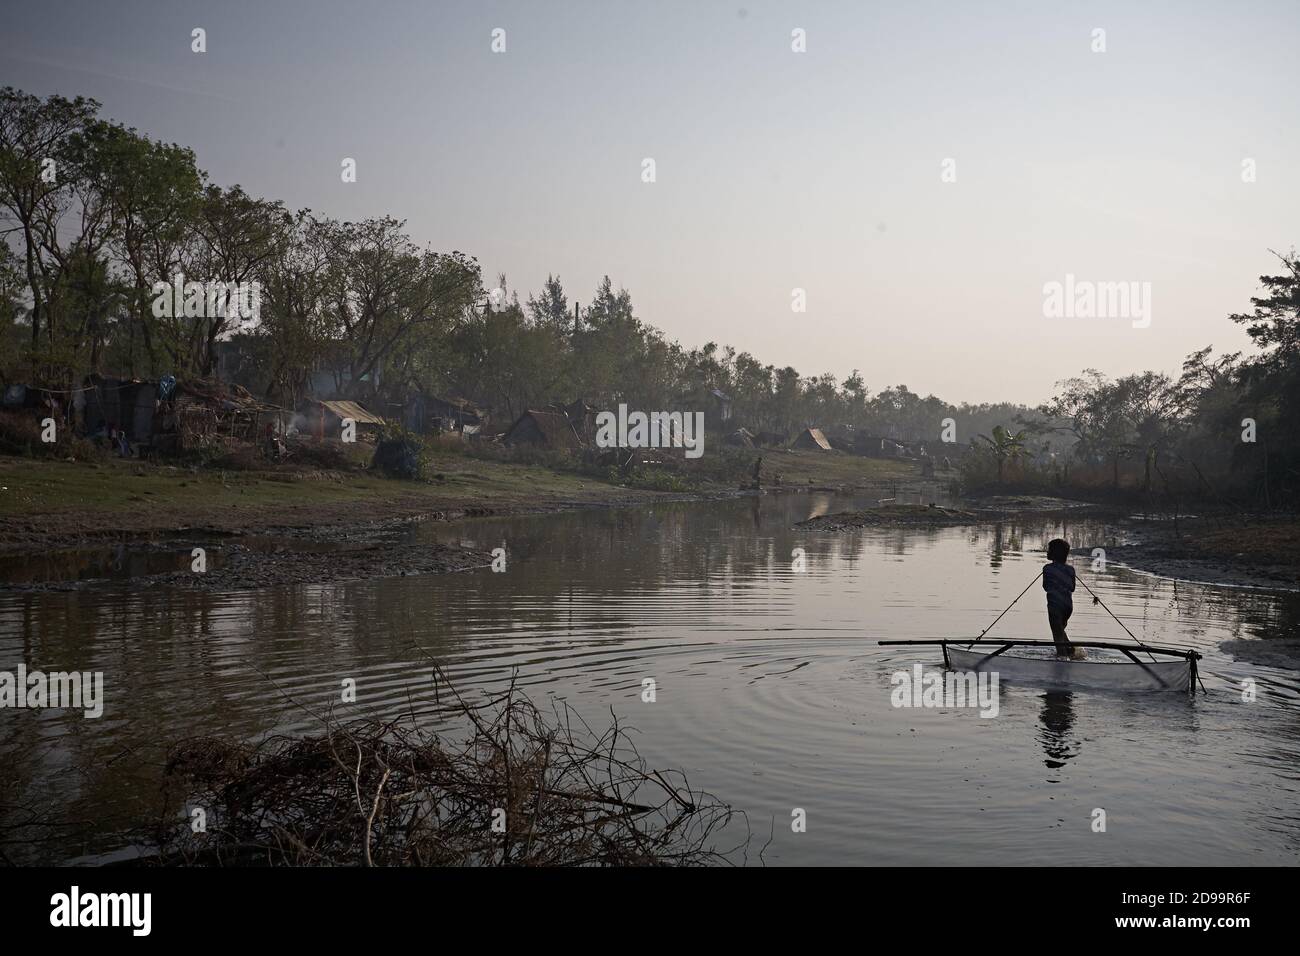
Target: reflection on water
[(113, 563), (1057, 717), (771, 691)]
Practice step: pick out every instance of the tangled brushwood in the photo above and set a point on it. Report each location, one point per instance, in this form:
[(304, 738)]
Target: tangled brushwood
[(524, 789)]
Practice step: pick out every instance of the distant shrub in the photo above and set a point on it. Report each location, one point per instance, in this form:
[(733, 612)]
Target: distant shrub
[(672, 471), (239, 458), (324, 453), (651, 479), (530, 455), (399, 457), (725, 463), (20, 434)]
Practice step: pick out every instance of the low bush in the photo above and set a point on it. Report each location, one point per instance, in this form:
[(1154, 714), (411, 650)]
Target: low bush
[(21, 434)]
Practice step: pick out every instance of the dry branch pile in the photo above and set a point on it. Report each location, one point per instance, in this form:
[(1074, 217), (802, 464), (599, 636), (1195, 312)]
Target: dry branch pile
[(525, 788)]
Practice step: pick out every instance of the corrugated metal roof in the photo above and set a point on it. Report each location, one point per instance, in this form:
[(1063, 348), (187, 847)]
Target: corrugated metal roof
[(353, 411)]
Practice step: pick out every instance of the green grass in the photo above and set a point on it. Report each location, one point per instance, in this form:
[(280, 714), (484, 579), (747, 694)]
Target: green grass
[(34, 486), (831, 468), (49, 501)]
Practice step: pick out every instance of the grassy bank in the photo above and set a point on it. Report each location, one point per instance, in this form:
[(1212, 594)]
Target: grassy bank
[(50, 502)]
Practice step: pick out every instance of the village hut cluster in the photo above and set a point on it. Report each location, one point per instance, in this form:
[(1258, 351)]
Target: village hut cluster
[(147, 418), (570, 430), (167, 417), (210, 417), (847, 439)]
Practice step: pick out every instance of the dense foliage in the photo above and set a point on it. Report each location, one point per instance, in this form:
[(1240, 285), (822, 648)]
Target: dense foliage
[(95, 215)]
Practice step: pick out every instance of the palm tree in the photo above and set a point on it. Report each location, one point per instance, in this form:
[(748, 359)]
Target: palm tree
[(1006, 446)]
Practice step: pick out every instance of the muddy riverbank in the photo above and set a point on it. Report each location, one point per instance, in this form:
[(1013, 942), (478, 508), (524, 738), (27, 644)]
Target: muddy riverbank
[(263, 529), (70, 525), (1242, 551), (974, 511), (237, 567), (47, 504), (890, 516)]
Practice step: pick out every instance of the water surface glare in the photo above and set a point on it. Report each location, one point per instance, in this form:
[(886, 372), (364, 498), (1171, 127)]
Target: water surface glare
[(771, 691)]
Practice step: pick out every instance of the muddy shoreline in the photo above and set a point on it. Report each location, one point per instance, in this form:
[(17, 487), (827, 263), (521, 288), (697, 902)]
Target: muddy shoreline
[(240, 568), (252, 547), (1257, 552), (243, 553), (368, 538), (1203, 571), (891, 516), (241, 560), (350, 521), (60, 532)]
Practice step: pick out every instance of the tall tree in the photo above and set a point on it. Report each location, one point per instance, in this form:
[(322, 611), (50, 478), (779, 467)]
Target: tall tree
[(383, 288), (551, 308), (155, 191), (36, 178)]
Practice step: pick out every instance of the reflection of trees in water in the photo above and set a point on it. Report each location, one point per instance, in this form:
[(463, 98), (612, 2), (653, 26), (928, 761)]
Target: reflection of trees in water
[(179, 663), (1200, 609), (85, 564), (998, 547), (1056, 735), (846, 548), (1276, 615), (1000, 538), (1031, 534)]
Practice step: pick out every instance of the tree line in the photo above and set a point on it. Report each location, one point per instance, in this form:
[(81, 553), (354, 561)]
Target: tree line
[(96, 216)]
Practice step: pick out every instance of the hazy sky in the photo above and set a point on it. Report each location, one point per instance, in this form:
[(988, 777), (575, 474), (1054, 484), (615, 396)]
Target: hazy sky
[(775, 170)]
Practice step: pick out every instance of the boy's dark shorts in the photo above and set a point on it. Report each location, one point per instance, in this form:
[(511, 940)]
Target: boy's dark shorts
[(1057, 618)]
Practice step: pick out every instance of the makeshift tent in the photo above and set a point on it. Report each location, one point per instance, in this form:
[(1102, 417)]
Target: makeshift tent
[(547, 429), (812, 439), (324, 419)]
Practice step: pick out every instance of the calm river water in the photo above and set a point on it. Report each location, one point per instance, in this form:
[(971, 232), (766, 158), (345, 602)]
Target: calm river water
[(771, 692)]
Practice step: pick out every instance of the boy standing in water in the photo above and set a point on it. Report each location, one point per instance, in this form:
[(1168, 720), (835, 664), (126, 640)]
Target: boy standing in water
[(1058, 582)]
